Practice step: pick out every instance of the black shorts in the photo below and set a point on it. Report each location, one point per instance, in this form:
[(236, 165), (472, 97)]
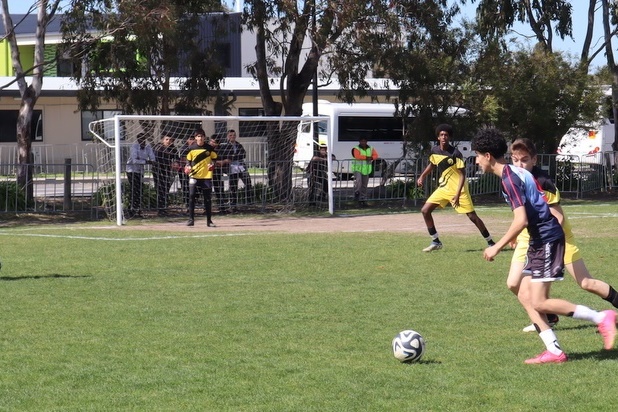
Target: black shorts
[(200, 183), (545, 263)]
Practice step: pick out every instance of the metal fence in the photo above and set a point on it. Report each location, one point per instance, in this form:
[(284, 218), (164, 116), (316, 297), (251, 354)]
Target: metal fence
[(76, 186)]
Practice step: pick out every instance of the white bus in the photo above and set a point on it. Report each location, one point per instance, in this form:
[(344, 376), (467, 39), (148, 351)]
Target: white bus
[(349, 122)]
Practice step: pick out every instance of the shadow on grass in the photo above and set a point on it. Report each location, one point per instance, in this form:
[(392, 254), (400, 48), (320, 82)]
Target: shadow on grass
[(560, 326), (596, 355), (50, 276)]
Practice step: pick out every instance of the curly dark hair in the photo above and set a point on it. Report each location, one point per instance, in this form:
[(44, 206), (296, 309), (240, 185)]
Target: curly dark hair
[(444, 128), (490, 140)]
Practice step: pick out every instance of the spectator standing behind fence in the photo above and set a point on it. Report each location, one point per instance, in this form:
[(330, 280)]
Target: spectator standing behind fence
[(318, 176), (362, 165), (232, 155), (182, 176), (164, 171), (199, 168), (140, 154), (218, 186), (452, 187)]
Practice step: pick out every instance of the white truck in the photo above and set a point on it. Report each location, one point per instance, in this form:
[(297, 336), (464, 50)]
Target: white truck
[(586, 144)]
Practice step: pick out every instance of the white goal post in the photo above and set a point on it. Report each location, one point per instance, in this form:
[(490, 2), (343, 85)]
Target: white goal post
[(269, 142)]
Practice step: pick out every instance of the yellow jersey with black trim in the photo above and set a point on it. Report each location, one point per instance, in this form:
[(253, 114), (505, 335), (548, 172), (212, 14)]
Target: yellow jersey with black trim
[(447, 162), (553, 197), (200, 158)]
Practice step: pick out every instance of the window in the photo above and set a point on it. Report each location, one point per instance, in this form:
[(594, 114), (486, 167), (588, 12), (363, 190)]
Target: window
[(352, 128), (88, 117), (224, 55), (249, 128), (8, 126)]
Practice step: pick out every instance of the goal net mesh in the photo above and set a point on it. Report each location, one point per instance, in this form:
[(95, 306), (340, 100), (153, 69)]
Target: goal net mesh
[(276, 178)]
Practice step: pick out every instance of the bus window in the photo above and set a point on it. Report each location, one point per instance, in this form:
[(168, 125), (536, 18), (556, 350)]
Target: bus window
[(351, 128)]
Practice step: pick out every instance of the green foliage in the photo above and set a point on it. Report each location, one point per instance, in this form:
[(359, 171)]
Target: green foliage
[(12, 197), (106, 193), (407, 189), (138, 46), (532, 94)]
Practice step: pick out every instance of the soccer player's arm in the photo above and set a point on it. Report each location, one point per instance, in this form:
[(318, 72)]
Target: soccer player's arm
[(427, 170), (460, 185), (188, 165), (553, 200), (519, 223)]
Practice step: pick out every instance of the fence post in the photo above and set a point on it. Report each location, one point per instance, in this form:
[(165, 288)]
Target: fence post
[(67, 185)]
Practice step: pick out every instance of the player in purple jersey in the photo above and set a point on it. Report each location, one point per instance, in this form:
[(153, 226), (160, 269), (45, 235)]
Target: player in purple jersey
[(545, 255)]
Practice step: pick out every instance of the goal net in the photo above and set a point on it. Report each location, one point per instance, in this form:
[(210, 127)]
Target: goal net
[(270, 171)]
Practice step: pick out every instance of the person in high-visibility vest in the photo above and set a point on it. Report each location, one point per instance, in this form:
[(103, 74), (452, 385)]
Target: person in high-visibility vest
[(362, 166)]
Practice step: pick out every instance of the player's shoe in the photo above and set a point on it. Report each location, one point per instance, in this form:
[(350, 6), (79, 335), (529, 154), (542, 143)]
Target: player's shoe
[(607, 328), (190, 222), (547, 357), (210, 224), (552, 319), (490, 243), (433, 246)]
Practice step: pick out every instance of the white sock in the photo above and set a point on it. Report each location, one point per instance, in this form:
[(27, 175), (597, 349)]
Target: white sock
[(585, 313), (551, 341)]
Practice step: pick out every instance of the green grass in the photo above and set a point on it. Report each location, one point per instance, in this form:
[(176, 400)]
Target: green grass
[(138, 320)]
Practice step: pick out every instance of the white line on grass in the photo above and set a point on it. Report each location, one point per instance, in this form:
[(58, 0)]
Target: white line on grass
[(124, 239)]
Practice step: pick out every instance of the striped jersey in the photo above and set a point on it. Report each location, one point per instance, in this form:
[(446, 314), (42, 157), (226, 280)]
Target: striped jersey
[(200, 157), (447, 162), (520, 188)]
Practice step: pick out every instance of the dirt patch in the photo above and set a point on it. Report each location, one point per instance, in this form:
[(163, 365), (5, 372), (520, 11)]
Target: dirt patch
[(447, 221)]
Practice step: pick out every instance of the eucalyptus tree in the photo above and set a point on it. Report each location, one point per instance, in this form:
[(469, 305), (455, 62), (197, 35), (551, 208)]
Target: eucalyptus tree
[(347, 40), (29, 93)]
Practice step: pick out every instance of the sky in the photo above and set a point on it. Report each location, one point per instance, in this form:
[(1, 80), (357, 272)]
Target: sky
[(580, 8)]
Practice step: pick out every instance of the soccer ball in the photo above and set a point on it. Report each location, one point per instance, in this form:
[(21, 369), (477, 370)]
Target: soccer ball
[(408, 346)]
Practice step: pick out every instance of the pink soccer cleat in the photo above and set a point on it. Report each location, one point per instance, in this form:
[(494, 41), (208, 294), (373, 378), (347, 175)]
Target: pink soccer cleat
[(607, 329), (547, 357)]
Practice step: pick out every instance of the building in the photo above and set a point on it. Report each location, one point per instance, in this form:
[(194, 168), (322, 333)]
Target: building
[(60, 130)]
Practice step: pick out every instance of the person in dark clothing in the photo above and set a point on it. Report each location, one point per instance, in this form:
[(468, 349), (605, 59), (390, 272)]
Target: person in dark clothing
[(232, 155), (164, 171), (318, 176)]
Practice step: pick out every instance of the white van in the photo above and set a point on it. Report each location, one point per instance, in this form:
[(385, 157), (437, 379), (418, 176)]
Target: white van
[(347, 123), (586, 144)]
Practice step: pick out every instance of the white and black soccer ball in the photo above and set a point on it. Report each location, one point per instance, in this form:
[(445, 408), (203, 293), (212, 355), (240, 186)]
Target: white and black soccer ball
[(408, 346)]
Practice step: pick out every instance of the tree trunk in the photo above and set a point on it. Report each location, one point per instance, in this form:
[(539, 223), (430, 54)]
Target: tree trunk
[(24, 150)]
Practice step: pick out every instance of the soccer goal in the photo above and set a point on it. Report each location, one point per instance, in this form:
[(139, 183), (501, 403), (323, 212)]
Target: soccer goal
[(276, 168)]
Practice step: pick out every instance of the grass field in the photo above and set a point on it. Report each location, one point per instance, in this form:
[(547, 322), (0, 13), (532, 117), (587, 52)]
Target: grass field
[(138, 320)]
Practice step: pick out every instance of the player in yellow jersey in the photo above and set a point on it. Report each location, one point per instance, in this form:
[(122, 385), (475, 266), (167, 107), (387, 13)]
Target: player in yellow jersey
[(452, 186), (199, 167), (524, 155)]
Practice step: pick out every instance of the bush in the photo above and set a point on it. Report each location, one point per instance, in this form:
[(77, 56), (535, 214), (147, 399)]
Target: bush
[(12, 198), (107, 192), (407, 189)]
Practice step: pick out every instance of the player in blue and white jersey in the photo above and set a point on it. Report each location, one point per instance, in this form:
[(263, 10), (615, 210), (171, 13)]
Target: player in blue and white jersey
[(545, 256)]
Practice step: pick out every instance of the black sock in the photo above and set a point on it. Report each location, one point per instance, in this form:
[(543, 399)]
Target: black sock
[(612, 297)]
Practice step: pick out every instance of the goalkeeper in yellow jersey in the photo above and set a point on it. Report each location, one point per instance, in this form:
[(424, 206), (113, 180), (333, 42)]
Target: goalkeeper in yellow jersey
[(199, 167), (452, 186)]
